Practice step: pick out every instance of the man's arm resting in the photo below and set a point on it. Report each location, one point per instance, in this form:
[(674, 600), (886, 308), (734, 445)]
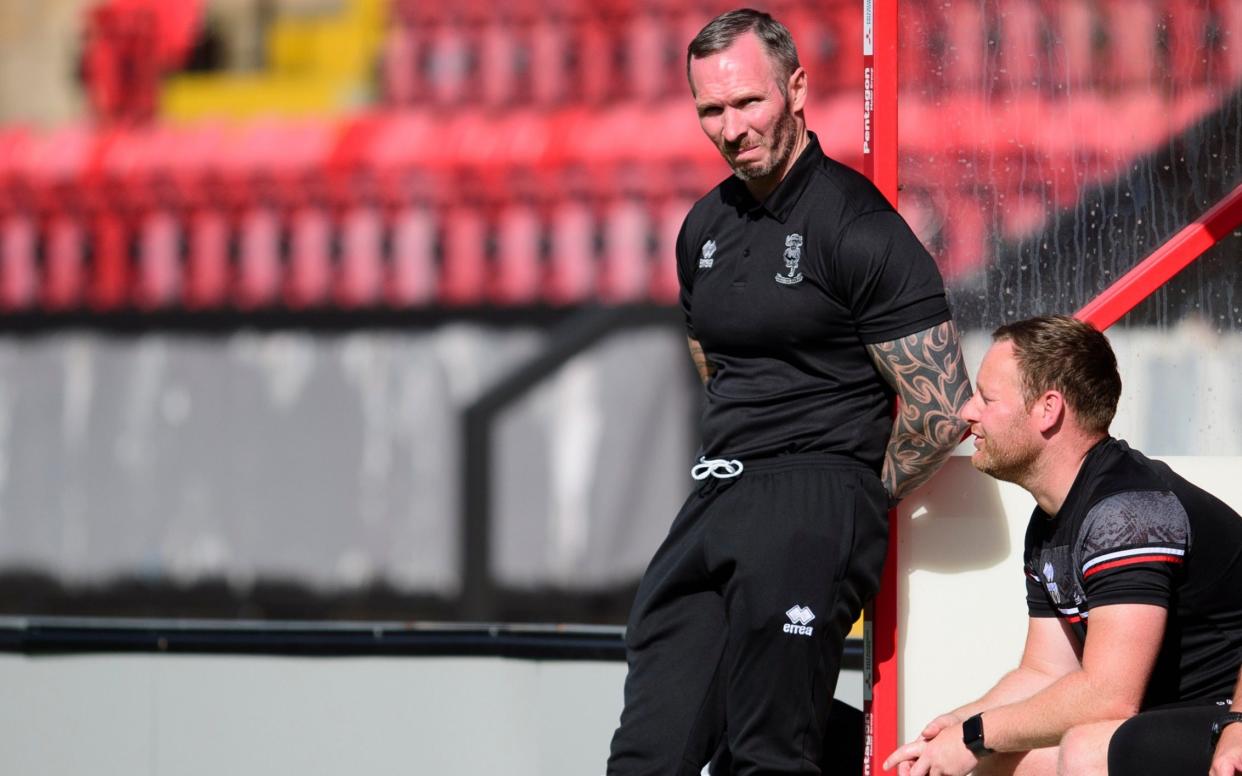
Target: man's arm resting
[(1117, 662), (701, 364), (926, 371), (1050, 653)]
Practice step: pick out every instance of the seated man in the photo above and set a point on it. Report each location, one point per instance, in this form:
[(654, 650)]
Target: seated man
[(1152, 563)]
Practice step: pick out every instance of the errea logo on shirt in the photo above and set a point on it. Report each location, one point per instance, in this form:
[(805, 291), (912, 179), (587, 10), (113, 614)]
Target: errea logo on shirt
[(709, 250), (799, 616)]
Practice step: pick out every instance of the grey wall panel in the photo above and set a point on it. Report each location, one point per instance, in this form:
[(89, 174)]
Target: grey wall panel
[(592, 465), (329, 460)]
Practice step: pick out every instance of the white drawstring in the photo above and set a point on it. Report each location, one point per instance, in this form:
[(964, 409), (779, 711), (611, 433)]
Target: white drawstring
[(721, 468)]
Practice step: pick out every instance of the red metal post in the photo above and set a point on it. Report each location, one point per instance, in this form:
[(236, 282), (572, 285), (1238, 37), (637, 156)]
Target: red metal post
[(880, 165), (1167, 260)]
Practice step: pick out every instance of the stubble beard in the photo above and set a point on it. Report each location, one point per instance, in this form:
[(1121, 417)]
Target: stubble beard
[(783, 136), (1013, 465)]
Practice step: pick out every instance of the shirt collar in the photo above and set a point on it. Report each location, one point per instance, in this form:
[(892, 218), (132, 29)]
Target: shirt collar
[(781, 202), (1085, 472)]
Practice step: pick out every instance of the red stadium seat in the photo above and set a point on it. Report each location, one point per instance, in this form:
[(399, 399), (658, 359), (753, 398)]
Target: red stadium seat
[(596, 56), (412, 271), (1072, 59), (499, 54), (571, 277), (664, 284), (1022, 55), (448, 65), (208, 276), (18, 272), (1132, 58), (647, 57), (1229, 17), (966, 47), (1186, 26), (549, 61), (518, 268), (258, 269), (399, 66), (110, 281), (626, 272), (159, 261), (309, 276), (64, 274), (360, 273), (464, 274)]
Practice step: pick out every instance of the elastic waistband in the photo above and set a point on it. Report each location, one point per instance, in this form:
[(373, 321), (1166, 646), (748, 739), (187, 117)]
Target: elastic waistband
[(804, 461)]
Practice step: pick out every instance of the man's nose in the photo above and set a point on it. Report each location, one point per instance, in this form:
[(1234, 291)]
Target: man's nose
[(734, 126), (969, 413)]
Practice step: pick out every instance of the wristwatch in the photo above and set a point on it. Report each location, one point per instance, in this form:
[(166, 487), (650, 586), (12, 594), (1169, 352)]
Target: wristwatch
[(1221, 722), (972, 736)]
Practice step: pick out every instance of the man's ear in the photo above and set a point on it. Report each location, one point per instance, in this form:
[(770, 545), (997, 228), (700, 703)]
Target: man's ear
[(797, 90), (1049, 410)]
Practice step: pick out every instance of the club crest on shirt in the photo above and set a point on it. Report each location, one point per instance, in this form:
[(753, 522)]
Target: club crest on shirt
[(709, 249), (793, 255)]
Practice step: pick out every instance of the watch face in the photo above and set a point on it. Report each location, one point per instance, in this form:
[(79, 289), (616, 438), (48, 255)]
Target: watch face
[(972, 735)]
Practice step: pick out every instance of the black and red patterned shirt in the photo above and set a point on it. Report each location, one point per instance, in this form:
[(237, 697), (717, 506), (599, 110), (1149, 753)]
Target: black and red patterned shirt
[(1131, 531)]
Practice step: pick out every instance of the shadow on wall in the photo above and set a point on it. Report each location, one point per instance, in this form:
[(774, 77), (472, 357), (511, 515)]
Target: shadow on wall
[(959, 525)]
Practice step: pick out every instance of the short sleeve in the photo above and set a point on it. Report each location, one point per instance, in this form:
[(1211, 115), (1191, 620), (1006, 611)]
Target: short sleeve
[(685, 278), (1132, 547), (887, 278)]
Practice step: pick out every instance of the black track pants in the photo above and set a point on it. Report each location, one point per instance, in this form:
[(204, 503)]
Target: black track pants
[(737, 630)]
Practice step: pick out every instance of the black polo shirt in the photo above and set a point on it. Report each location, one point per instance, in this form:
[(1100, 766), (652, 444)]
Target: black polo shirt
[(785, 294), (1131, 531)]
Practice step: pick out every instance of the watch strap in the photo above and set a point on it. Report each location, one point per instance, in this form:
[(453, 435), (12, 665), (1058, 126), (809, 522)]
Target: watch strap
[(972, 736), (1220, 723)]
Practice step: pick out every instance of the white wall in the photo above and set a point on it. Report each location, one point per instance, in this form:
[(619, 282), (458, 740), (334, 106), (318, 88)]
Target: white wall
[(193, 715)]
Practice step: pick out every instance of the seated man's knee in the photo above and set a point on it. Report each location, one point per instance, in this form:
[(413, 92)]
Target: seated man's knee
[(1130, 750)]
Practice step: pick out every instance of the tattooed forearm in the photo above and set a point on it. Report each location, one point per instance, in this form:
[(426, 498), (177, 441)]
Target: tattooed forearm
[(705, 369), (926, 371)]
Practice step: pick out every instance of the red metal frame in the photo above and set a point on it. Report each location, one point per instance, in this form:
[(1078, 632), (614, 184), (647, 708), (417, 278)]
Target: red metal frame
[(1167, 260), (880, 674), (880, 163)]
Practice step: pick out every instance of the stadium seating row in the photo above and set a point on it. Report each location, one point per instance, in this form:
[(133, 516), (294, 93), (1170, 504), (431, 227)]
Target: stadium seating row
[(451, 54), (363, 257)]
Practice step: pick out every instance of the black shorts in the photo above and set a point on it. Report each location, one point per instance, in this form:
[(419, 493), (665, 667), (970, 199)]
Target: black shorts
[(735, 639), (1166, 740)]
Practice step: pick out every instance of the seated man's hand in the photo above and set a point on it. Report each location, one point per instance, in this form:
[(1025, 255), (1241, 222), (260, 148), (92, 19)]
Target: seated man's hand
[(938, 724), (1228, 757), (944, 755), (904, 757)]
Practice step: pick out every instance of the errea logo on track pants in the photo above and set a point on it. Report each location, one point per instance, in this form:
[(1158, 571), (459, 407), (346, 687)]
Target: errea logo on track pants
[(799, 616)]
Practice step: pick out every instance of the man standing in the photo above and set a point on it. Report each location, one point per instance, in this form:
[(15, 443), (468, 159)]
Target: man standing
[(809, 304), (1134, 584)]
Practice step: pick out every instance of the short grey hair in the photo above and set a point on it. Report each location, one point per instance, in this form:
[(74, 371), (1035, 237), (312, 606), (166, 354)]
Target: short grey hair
[(721, 32)]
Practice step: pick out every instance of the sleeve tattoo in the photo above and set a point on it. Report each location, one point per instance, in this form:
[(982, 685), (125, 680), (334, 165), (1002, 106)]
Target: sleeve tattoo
[(926, 371), (701, 364)]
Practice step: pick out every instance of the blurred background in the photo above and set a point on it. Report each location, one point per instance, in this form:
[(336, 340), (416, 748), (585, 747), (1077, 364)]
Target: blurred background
[(360, 310)]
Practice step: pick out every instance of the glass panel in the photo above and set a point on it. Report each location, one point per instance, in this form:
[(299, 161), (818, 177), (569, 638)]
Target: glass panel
[(1049, 147)]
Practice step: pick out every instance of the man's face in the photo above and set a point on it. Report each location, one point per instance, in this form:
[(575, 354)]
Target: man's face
[(1007, 440), (742, 110)]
